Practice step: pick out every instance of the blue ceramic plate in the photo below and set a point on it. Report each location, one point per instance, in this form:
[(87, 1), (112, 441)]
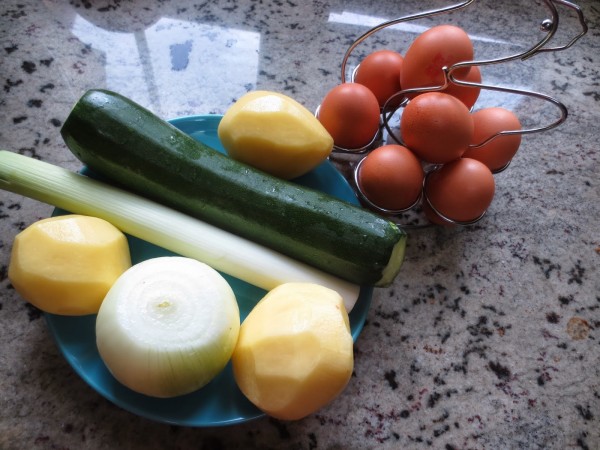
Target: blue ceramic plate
[(220, 402)]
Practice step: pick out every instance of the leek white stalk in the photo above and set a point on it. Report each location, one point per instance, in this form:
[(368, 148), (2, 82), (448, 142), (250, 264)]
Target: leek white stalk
[(167, 326), (162, 226)]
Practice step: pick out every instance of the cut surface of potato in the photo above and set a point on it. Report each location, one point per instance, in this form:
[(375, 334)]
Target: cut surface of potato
[(66, 264)]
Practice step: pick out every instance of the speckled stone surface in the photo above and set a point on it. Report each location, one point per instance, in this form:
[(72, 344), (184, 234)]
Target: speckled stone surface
[(488, 338)]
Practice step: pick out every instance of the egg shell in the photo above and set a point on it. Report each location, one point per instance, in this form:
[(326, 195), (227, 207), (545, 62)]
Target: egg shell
[(498, 152), (461, 190), (440, 46), (350, 113), (391, 177), (437, 127), (380, 72)]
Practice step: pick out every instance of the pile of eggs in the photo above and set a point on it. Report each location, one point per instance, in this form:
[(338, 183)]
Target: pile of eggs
[(446, 153)]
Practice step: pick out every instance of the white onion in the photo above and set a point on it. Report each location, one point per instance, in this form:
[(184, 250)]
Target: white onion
[(167, 326)]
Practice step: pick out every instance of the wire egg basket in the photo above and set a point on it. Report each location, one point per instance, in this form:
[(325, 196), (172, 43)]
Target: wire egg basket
[(349, 161)]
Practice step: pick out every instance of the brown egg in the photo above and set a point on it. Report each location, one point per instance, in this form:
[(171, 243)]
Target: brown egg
[(434, 217), (440, 46), (391, 177), (350, 113), (437, 127), (380, 72), (498, 152), (461, 190)]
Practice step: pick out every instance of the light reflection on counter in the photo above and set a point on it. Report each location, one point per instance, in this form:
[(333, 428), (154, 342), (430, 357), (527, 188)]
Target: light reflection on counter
[(350, 18), (184, 66)]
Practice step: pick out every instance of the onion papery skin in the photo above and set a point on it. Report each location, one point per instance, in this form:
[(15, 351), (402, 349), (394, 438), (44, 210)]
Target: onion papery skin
[(167, 326)]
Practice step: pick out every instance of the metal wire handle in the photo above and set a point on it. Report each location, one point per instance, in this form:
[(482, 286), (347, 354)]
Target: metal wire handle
[(550, 26), (389, 23)]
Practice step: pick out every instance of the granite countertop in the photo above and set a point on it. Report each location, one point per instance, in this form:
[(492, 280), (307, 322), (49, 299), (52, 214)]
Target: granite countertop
[(488, 338)]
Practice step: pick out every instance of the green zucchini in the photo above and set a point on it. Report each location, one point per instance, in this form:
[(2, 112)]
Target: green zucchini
[(130, 146)]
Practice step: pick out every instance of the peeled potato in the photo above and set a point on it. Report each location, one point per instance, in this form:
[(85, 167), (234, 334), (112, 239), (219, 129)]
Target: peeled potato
[(294, 353), (66, 264), (274, 133)]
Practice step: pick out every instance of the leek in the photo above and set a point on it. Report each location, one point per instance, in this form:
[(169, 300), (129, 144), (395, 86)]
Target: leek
[(162, 226)]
